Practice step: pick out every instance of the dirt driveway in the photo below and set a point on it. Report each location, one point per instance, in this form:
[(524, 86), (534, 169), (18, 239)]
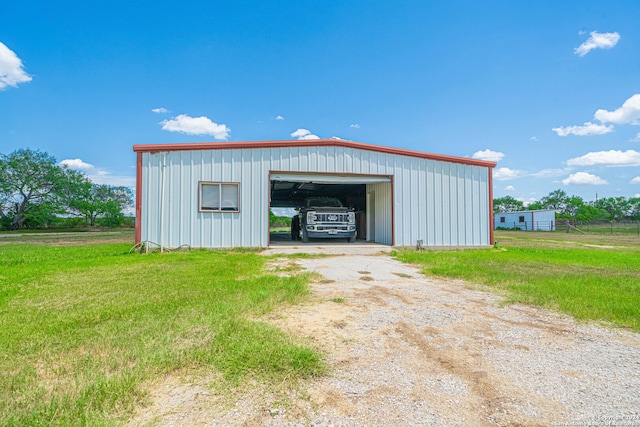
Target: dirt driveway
[(409, 351)]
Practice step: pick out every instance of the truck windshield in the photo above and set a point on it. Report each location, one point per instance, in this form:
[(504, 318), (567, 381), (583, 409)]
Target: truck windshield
[(324, 202)]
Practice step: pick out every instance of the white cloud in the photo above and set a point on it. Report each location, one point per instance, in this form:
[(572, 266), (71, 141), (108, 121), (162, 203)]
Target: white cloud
[(11, 71), (534, 138), (597, 40), (628, 113), (550, 173), (607, 158), (587, 129), (99, 175), (354, 125), (196, 126), (583, 178), (104, 177), (304, 134), (494, 156), (278, 117), (510, 188), (160, 110), (505, 174), (635, 180), (77, 164)]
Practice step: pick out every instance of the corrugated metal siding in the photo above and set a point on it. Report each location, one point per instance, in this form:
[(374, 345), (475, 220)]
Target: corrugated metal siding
[(440, 203), (383, 215)]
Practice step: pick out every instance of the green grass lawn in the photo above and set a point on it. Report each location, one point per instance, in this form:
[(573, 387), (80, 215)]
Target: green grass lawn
[(590, 278), (84, 326)]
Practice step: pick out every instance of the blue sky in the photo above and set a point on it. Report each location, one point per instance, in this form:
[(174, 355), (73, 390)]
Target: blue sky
[(549, 89)]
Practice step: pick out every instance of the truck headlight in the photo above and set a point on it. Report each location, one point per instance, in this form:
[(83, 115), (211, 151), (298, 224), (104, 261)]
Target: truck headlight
[(352, 217), (311, 217)]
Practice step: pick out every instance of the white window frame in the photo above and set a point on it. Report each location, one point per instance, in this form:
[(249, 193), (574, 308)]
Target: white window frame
[(221, 203)]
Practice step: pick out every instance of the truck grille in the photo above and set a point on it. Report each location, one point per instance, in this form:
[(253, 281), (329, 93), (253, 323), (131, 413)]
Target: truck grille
[(332, 217)]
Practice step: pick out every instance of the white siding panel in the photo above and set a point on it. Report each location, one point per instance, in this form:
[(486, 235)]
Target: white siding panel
[(442, 204), (383, 215), (429, 202)]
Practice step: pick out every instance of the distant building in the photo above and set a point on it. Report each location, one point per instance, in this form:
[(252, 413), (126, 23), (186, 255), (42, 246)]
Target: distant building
[(538, 220)]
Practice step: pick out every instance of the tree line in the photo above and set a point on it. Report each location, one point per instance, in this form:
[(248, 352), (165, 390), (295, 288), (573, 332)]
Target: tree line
[(279, 221), (603, 209), (37, 192)]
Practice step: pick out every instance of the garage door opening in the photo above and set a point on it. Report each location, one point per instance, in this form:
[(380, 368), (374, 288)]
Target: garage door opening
[(288, 192)]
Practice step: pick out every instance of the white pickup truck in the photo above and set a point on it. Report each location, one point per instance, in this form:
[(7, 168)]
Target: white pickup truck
[(324, 218)]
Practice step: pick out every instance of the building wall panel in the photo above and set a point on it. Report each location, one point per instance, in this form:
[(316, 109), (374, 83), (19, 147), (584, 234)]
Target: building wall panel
[(438, 202), (383, 215)]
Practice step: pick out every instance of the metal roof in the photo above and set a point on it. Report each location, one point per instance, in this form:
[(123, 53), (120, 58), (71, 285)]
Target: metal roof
[(142, 148)]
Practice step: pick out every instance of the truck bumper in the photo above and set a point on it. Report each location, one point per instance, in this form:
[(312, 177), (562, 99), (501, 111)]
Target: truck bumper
[(329, 233)]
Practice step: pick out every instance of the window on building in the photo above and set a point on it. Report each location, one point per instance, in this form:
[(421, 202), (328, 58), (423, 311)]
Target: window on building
[(503, 219), (219, 197), (521, 218)]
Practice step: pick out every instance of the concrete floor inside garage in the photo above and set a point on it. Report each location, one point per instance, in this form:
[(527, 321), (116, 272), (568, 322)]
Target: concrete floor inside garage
[(282, 244)]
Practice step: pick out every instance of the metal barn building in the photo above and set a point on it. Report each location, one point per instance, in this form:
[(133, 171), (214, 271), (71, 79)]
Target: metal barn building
[(537, 220), (400, 196)]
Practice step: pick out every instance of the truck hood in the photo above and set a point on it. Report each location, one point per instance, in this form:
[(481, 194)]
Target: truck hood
[(326, 209)]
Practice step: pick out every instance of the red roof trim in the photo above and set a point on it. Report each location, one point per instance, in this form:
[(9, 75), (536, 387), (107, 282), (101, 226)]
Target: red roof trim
[(147, 148)]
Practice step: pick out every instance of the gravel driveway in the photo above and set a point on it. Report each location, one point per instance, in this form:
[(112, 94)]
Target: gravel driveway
[(410, 351)]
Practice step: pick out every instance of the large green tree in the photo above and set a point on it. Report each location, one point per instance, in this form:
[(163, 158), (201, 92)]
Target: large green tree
[(30, 184), (555, 200), (588, 212), (608, 208), (617, 207), (35, 190), (634, 208), (507, 204), (94, 201), (558, 199)]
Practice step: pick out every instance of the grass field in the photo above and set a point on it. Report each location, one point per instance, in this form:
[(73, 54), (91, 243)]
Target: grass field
[(84, 324), (611, 228), (589, 277)]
